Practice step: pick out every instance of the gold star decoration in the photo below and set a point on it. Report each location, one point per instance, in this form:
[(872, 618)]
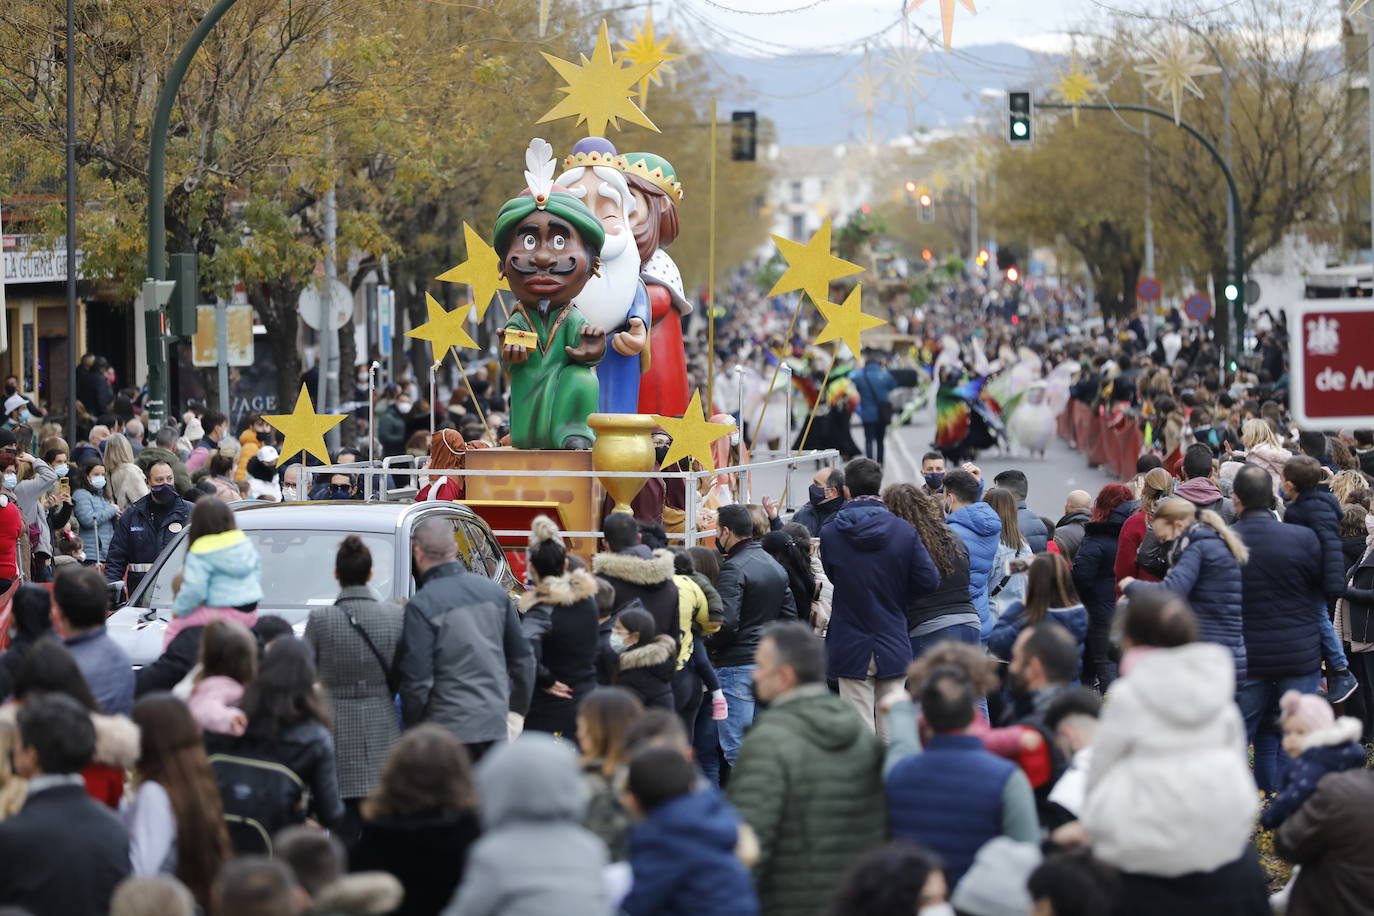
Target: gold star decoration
[(692, 435), (1176, 66), (647, 49), (946, 15), (599, 89), (811, 266), (444, 330), (481, 271), (1075, 86), (847, 321), (302, 430)]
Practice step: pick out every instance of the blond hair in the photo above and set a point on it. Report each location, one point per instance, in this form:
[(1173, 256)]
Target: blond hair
[(1157, 484), (1345, 483), (1258, 432), (1181, 510)]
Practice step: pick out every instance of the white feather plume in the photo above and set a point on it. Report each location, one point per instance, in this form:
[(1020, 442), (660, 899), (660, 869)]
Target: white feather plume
[(539, 166)]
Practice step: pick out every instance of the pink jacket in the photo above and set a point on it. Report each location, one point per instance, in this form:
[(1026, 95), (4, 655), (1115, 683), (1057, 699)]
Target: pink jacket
[(214, 705), (203, 615)]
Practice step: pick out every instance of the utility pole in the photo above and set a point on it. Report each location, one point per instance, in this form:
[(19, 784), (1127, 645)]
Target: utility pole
[(328, 365), (71, 223), (1369, 55)]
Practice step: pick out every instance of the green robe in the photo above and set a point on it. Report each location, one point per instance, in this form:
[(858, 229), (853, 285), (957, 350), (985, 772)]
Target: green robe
[(551, 393)]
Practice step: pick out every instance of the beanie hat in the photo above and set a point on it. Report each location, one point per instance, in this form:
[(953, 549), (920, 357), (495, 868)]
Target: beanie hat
[(268, 455), (1308, 709)]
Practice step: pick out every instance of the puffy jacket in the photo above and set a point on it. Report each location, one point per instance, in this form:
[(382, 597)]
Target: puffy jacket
[(1282, 596), (1133, 534), (95, 517), (222, 570), (876, 561), (1205, 573), (754, 592), (980, 529), (1069, 533), (808, 781), (875, 385), (139, 536), (1033, 528), (1330, 837), (647, 672), (560, 621), (1319, 510), (951, 597), (683, 859), (1169, 789), (1094, 568), (306, 748), (1359, 596), (464, 659), (639, 573), (1009, 626), (1204, 494), (248, 448)]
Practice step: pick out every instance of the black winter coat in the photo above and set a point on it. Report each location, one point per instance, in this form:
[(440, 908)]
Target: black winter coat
[(1282, 594), (647, 671), (648, 576), (64, 852), (1319, 510), (140, 533), (1360, 596), (949, 598), (754, 592), (560, 621), (305, 748), (425, 852), (1094, 568)]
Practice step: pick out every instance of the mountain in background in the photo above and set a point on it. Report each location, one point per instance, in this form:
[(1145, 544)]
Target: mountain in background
[(810, 99)]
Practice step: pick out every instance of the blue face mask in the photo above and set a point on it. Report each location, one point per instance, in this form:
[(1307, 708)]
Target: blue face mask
[(60, 469)]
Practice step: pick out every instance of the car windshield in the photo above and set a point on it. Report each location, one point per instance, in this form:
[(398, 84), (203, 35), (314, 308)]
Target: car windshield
[(287, 580)]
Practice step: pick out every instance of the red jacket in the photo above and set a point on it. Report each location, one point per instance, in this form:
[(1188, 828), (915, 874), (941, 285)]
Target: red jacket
[(11, 529), (1132, 536), (444, 489)]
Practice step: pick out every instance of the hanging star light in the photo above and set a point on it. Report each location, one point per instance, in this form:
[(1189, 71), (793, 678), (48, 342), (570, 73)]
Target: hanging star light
[(1075, 86), (598, 89), (1176, 67), (847, 321), (692, 435), (905, 69), (481, 271), (647, 49), (302, 430), (811, 266), (444, 330), (946, 15)]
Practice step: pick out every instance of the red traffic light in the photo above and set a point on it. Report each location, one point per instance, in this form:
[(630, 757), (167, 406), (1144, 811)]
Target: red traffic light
[(1015, 319), (910, 186), (1013, 274), (926, 254)]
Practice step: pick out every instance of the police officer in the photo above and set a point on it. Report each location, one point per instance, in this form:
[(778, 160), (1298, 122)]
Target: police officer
[(146, 527)]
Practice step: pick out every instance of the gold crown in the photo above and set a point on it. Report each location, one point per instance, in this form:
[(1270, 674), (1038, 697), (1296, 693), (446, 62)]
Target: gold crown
[(666, 183), (590, 158)]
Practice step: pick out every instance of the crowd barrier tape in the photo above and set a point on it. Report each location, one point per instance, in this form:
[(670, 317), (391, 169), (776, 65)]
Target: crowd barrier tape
[(1111, 442)]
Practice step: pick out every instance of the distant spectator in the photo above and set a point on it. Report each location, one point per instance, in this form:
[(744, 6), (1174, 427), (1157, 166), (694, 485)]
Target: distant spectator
[(160, 894), (895, 879), (258, 886), (82, 603)]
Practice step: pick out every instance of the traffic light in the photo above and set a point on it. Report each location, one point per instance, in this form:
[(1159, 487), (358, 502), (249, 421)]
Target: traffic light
[(1013, 274), (1019, 125), (925, 207), (181, 310), (744, 136), (1232, 293)]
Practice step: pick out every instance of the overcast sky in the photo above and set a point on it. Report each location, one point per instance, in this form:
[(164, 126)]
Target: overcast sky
[(1034, 23)]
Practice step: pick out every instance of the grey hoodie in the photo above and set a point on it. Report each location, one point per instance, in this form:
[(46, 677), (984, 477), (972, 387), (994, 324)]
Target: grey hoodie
[(534, 857)]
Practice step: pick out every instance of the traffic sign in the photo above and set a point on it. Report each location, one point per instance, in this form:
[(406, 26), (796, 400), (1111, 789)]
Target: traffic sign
[(1147, 289), (1198, 307), (1332, 365)]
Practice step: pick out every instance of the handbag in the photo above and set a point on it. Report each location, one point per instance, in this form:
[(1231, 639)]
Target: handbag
[(389, 671)]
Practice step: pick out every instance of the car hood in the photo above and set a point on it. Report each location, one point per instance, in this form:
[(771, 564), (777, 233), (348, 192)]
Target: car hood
[(139, 631)]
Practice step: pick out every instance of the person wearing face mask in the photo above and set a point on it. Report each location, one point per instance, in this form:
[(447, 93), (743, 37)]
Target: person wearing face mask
[(17, 411), (93, 505), (933, 471), (216, 427), (340, 486), (146, 527), (29, 495), (256, 434), (824, 498), (391, 425), (1355, 622), (980, 528), (11, 524)]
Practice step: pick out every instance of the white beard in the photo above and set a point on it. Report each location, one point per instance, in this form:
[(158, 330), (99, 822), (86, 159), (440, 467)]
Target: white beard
[(606, 300)]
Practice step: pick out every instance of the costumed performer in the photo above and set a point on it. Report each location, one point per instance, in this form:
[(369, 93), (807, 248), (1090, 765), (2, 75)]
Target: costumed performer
[(615, 300), (549, 243)]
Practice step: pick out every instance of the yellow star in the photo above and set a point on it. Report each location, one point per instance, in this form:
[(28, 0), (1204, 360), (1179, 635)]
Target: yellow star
[(481, 271), (598, 90), (848, 321), (444, 330), (647, 49), (946, 15), (693, 434), (1176, 67), (811, 266), (1075, 86), (302, 430)]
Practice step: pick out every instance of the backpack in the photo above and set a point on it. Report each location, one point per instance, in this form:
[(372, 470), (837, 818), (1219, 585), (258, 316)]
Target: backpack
[(260, 797)]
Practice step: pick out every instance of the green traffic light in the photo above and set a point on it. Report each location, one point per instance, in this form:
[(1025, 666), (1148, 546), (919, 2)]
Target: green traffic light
[(1019, 128), (1232, 292)]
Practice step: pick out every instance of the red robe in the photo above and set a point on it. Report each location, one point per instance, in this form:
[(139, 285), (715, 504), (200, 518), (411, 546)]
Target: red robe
[(663, 389)]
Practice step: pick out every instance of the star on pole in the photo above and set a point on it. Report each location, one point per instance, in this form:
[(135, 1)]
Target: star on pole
[(1176, 66), (811, 266), (481, 271), (302, 430), (946, 15), (847, 321), (692, 435), (904, 64), (1075, 86), (598, 89), (444, 330), (647, 49)]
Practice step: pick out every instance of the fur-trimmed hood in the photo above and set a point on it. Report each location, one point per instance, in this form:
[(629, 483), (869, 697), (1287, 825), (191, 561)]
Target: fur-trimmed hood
[(637, 570), (1344, 730), (116, 740), (662, 649), (562, 591), (359, 894)]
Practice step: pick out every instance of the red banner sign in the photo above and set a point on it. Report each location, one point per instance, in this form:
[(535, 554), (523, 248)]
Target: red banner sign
[(1332, 363)]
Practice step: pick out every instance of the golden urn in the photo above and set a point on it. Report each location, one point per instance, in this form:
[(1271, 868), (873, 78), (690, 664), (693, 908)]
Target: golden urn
[(624, 442)]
